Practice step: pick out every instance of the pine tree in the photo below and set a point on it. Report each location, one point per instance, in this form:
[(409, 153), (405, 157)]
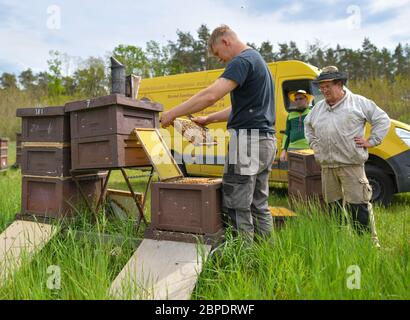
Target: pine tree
[(8, 81), (27, 79)]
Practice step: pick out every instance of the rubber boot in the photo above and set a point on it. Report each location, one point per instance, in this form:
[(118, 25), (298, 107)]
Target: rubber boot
[(360, 217)]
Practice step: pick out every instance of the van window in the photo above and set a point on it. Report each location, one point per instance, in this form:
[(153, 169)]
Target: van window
[(295, 85)]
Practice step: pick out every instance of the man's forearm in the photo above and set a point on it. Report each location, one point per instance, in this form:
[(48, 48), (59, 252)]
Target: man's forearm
[(219, 116), (195, 104)]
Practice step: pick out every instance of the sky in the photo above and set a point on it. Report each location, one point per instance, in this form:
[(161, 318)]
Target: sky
[(29, 29)]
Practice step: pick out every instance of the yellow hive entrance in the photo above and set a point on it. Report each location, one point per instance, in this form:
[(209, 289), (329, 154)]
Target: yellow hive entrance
[(159, 154)]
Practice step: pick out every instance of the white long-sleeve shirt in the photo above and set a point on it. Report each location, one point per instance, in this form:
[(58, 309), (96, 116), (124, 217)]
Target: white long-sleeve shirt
[(330, 130)]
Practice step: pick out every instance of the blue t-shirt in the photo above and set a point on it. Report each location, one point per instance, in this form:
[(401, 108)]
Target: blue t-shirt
[(253, 101)]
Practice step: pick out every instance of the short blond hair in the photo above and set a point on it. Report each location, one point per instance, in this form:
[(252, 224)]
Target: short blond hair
[(219, 32)]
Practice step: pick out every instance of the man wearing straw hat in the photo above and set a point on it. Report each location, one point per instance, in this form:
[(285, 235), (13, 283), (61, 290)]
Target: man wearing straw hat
[(335, 130), (294, 138)]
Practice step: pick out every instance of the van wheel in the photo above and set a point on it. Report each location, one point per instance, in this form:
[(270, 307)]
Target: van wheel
[(382, 185)]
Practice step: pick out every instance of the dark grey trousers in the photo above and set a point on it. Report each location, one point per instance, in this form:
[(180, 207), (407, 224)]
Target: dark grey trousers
[(245, 185)]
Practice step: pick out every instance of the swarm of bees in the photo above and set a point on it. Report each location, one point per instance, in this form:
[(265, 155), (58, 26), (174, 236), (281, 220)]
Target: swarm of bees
[(193, 132)]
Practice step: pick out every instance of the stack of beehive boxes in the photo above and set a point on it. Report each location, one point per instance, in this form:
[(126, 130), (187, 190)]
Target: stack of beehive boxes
[(48, 189), (304, 176), (82, 138), (4, 144)]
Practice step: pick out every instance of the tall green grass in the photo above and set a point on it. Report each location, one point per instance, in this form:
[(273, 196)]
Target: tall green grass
[(10, 189), (88, 263), (308, 259)]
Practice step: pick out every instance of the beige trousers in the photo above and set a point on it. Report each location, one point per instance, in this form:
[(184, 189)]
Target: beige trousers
[(350, 184)]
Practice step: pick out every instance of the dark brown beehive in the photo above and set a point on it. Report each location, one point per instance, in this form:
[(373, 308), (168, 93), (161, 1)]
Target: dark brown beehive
[(303, 163), (46, 161), (3, 162), (191, 206), (111, 151), (4, 143), (50, 124), (57, 197), (304, 187), (113, 114), (102, 131), (3, 153)]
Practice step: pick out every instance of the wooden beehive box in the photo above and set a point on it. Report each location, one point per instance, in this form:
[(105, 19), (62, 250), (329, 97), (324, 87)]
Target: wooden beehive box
[(111, 151), (102, 131), (304, 187), (57, 197), (303, 162), (113, 114), (3, 153), (40, 160), (50, 124), (4, 143), (187, 205), (3, 162), (178, 204)]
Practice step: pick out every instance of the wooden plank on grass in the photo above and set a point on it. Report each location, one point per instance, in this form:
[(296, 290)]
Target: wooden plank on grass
[(21, 240), (161, 270)]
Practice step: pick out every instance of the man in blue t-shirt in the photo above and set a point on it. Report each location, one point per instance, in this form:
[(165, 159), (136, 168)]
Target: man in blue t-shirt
[(250, 121)]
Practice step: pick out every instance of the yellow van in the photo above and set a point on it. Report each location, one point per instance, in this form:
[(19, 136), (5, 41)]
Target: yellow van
[(388, 167)]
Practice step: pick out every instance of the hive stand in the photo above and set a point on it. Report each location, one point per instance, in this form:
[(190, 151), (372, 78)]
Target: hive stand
[(135, 196), (20, 241)]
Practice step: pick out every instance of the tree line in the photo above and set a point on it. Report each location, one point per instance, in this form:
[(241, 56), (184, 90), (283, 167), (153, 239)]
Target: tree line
[(69, 76)]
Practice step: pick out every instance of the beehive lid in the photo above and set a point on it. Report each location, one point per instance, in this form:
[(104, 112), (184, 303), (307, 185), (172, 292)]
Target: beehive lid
[(158, 154), (307, 152), (113, 99), (40, 112)]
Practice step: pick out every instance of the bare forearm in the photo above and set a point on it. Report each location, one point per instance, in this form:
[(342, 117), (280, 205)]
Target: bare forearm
[(219, 116), (195, 104), (200, 101)]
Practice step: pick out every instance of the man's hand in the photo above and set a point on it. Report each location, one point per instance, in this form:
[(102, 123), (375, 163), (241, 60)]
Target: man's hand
[(362, 142), (167, 118), (202, 121), (284, 156)]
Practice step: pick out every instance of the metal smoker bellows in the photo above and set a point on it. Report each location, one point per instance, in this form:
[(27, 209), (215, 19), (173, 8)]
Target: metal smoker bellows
[(117, 77)]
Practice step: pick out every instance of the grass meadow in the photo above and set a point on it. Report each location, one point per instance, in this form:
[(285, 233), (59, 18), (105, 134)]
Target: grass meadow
[(312, 257)]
